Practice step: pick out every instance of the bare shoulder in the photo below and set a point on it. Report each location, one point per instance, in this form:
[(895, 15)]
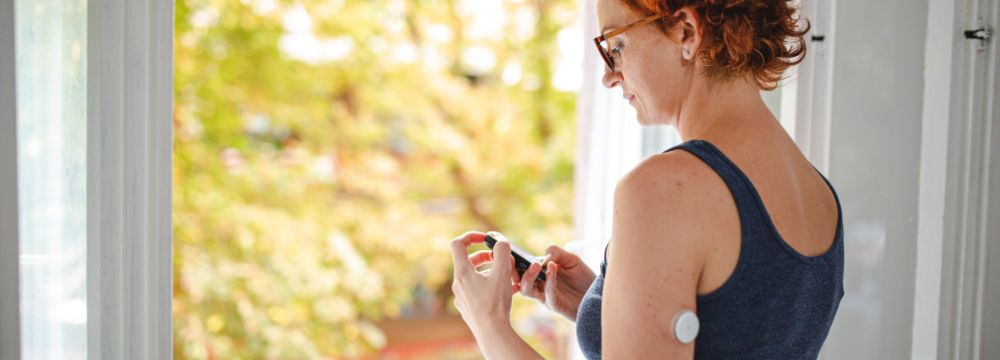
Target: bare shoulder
[(676, 165), (674, 185), (669, 204)]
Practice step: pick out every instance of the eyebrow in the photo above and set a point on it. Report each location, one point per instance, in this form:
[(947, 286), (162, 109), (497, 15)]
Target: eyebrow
[(606, 28)]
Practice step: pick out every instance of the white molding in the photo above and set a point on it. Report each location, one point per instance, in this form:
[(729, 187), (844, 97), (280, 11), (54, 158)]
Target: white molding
[(991, 317), (130, 47), (933, 178), (971, 134), (10, 295), (814, 86)]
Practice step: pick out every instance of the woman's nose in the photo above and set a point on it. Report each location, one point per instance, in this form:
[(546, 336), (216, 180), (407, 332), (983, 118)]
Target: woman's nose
[(611, 78)]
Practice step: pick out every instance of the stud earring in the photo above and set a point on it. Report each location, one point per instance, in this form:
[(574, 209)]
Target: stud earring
[(687, 51)]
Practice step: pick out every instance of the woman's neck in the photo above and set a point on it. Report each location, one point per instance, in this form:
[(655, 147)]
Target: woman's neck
[(709, 107)]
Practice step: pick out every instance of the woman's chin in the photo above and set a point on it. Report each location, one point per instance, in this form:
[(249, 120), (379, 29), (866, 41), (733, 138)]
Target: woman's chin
[(639, 114), (640, 118)]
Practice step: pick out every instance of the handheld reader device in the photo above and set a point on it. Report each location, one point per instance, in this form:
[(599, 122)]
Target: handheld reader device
[(522, 259)]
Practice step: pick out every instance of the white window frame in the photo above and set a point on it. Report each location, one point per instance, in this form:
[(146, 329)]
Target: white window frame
[(10, 295), (962, 184), (129, 176), (129, 167), (806, 105), (933, 177)]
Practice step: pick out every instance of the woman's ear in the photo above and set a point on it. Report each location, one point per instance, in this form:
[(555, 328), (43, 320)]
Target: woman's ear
[(691, 27)]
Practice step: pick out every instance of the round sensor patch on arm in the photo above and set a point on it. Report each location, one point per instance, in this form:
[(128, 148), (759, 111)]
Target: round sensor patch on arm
[(686, 326)]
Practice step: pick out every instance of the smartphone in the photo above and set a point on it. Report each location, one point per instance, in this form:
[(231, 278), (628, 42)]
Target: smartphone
[(522, 259)]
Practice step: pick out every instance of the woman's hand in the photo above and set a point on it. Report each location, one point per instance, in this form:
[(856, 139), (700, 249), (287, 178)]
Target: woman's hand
[(483, 299), (567, 279)]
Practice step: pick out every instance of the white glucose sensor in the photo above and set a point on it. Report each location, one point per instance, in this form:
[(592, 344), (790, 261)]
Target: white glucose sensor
[(686, 326)]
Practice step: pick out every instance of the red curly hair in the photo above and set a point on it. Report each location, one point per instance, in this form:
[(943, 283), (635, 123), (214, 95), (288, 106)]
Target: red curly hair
[(740, 37)]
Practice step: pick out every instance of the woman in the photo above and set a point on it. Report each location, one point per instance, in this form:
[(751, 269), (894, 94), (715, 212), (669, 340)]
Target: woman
[(733, 224)]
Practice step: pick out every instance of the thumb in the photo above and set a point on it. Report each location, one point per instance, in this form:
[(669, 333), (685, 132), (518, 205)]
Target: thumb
[(562, 257), (501, 251)]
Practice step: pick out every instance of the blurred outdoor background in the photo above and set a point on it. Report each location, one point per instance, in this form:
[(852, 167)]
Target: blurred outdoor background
[(327, 151)]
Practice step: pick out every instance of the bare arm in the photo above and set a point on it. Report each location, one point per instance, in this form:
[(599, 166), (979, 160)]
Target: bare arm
[(655, 260), (502, 342)]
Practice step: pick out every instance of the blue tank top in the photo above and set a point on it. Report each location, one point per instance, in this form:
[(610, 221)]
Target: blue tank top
[(777, 304)]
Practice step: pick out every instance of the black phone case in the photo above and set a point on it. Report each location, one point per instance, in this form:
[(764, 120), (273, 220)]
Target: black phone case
[(520, 263)]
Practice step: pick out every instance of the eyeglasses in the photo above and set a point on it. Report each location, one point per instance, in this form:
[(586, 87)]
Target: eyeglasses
[(604, 47)]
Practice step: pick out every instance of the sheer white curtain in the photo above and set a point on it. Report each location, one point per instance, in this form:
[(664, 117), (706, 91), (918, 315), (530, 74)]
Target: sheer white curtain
[(52, 170)]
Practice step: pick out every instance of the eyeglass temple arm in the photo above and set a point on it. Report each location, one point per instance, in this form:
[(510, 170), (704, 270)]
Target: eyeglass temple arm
[(625, 28)]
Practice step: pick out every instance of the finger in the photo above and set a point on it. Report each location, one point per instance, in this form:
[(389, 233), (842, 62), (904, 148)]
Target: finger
[(480, 257), (565, 259), (471, 237), (459, 254), (515, 277), (551, 280), (553, 250), (502, 251), (546, 259), (460, 257), (528, 280)]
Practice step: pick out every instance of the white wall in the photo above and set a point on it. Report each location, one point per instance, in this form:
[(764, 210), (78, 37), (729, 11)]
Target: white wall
[(874, 163), (913, 134)]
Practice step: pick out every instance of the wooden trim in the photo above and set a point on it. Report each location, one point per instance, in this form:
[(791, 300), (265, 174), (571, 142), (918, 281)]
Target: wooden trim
[(129, 159), (10, 298)]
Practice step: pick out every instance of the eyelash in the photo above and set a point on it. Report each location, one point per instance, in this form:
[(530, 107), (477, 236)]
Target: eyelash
[(617, 49)]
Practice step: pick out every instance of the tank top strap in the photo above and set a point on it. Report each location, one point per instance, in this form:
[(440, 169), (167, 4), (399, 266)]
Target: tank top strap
[(745, 196)]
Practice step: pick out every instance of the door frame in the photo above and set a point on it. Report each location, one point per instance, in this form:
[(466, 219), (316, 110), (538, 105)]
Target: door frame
[(10, 295), (813, 85), (964, 157)]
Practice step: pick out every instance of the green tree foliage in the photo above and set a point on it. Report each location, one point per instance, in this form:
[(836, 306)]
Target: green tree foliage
[(327, 151)]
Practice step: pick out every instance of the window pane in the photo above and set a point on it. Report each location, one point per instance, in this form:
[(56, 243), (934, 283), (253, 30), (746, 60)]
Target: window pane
[(326, 152), (51, 104)]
